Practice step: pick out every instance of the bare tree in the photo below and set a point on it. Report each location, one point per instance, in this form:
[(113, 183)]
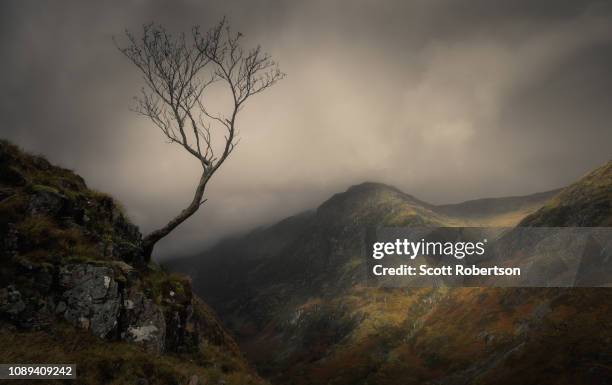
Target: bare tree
[(178, 70)]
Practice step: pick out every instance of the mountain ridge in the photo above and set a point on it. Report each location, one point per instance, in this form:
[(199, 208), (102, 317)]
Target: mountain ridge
[(303, 314), (587, 202)]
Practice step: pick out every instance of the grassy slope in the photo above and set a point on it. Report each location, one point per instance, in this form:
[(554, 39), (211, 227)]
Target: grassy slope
[(23, 176), (587, 202), (503, 212), (104, 362), (482, 335), (46, 241)]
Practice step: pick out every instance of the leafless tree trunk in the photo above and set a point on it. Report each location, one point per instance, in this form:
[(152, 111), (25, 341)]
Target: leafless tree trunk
[(177, 71)]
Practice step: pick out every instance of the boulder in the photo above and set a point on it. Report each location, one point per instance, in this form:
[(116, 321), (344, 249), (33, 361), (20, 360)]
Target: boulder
[(91, 296), (45, 201), (10, 301), (144, 322)]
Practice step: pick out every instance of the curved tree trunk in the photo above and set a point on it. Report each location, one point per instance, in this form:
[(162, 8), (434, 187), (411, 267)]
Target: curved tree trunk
[(175, 69), (148, 242)]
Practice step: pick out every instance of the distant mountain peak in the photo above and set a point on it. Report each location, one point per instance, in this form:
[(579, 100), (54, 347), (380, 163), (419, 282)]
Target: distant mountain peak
[(371, 192), (371, 186)]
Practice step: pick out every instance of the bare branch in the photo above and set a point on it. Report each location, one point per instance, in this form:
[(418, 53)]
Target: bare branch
[(177, 72)]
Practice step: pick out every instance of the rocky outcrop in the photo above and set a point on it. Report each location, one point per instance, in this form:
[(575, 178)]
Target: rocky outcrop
[(90, 297), (11, 302), (144, 321), (114, 302), (98, 298), (69, 254)]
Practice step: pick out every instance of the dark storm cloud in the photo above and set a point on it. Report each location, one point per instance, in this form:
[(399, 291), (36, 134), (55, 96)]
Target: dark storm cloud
[(448, 100)]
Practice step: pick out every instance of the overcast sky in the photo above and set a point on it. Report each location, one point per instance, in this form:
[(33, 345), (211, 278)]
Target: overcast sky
[(447, 100)]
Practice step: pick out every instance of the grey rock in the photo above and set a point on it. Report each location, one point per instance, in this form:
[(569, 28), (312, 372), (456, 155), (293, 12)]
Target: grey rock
[(46, 201), (24, 310), (145, 323), (10, 301), (92, 297), (60, 308), (125, 269)]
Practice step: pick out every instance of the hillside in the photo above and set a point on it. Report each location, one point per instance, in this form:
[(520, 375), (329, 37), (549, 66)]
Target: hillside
[(322, 244), (304, 313), (506, 211), (587, 202), (74, 288)]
